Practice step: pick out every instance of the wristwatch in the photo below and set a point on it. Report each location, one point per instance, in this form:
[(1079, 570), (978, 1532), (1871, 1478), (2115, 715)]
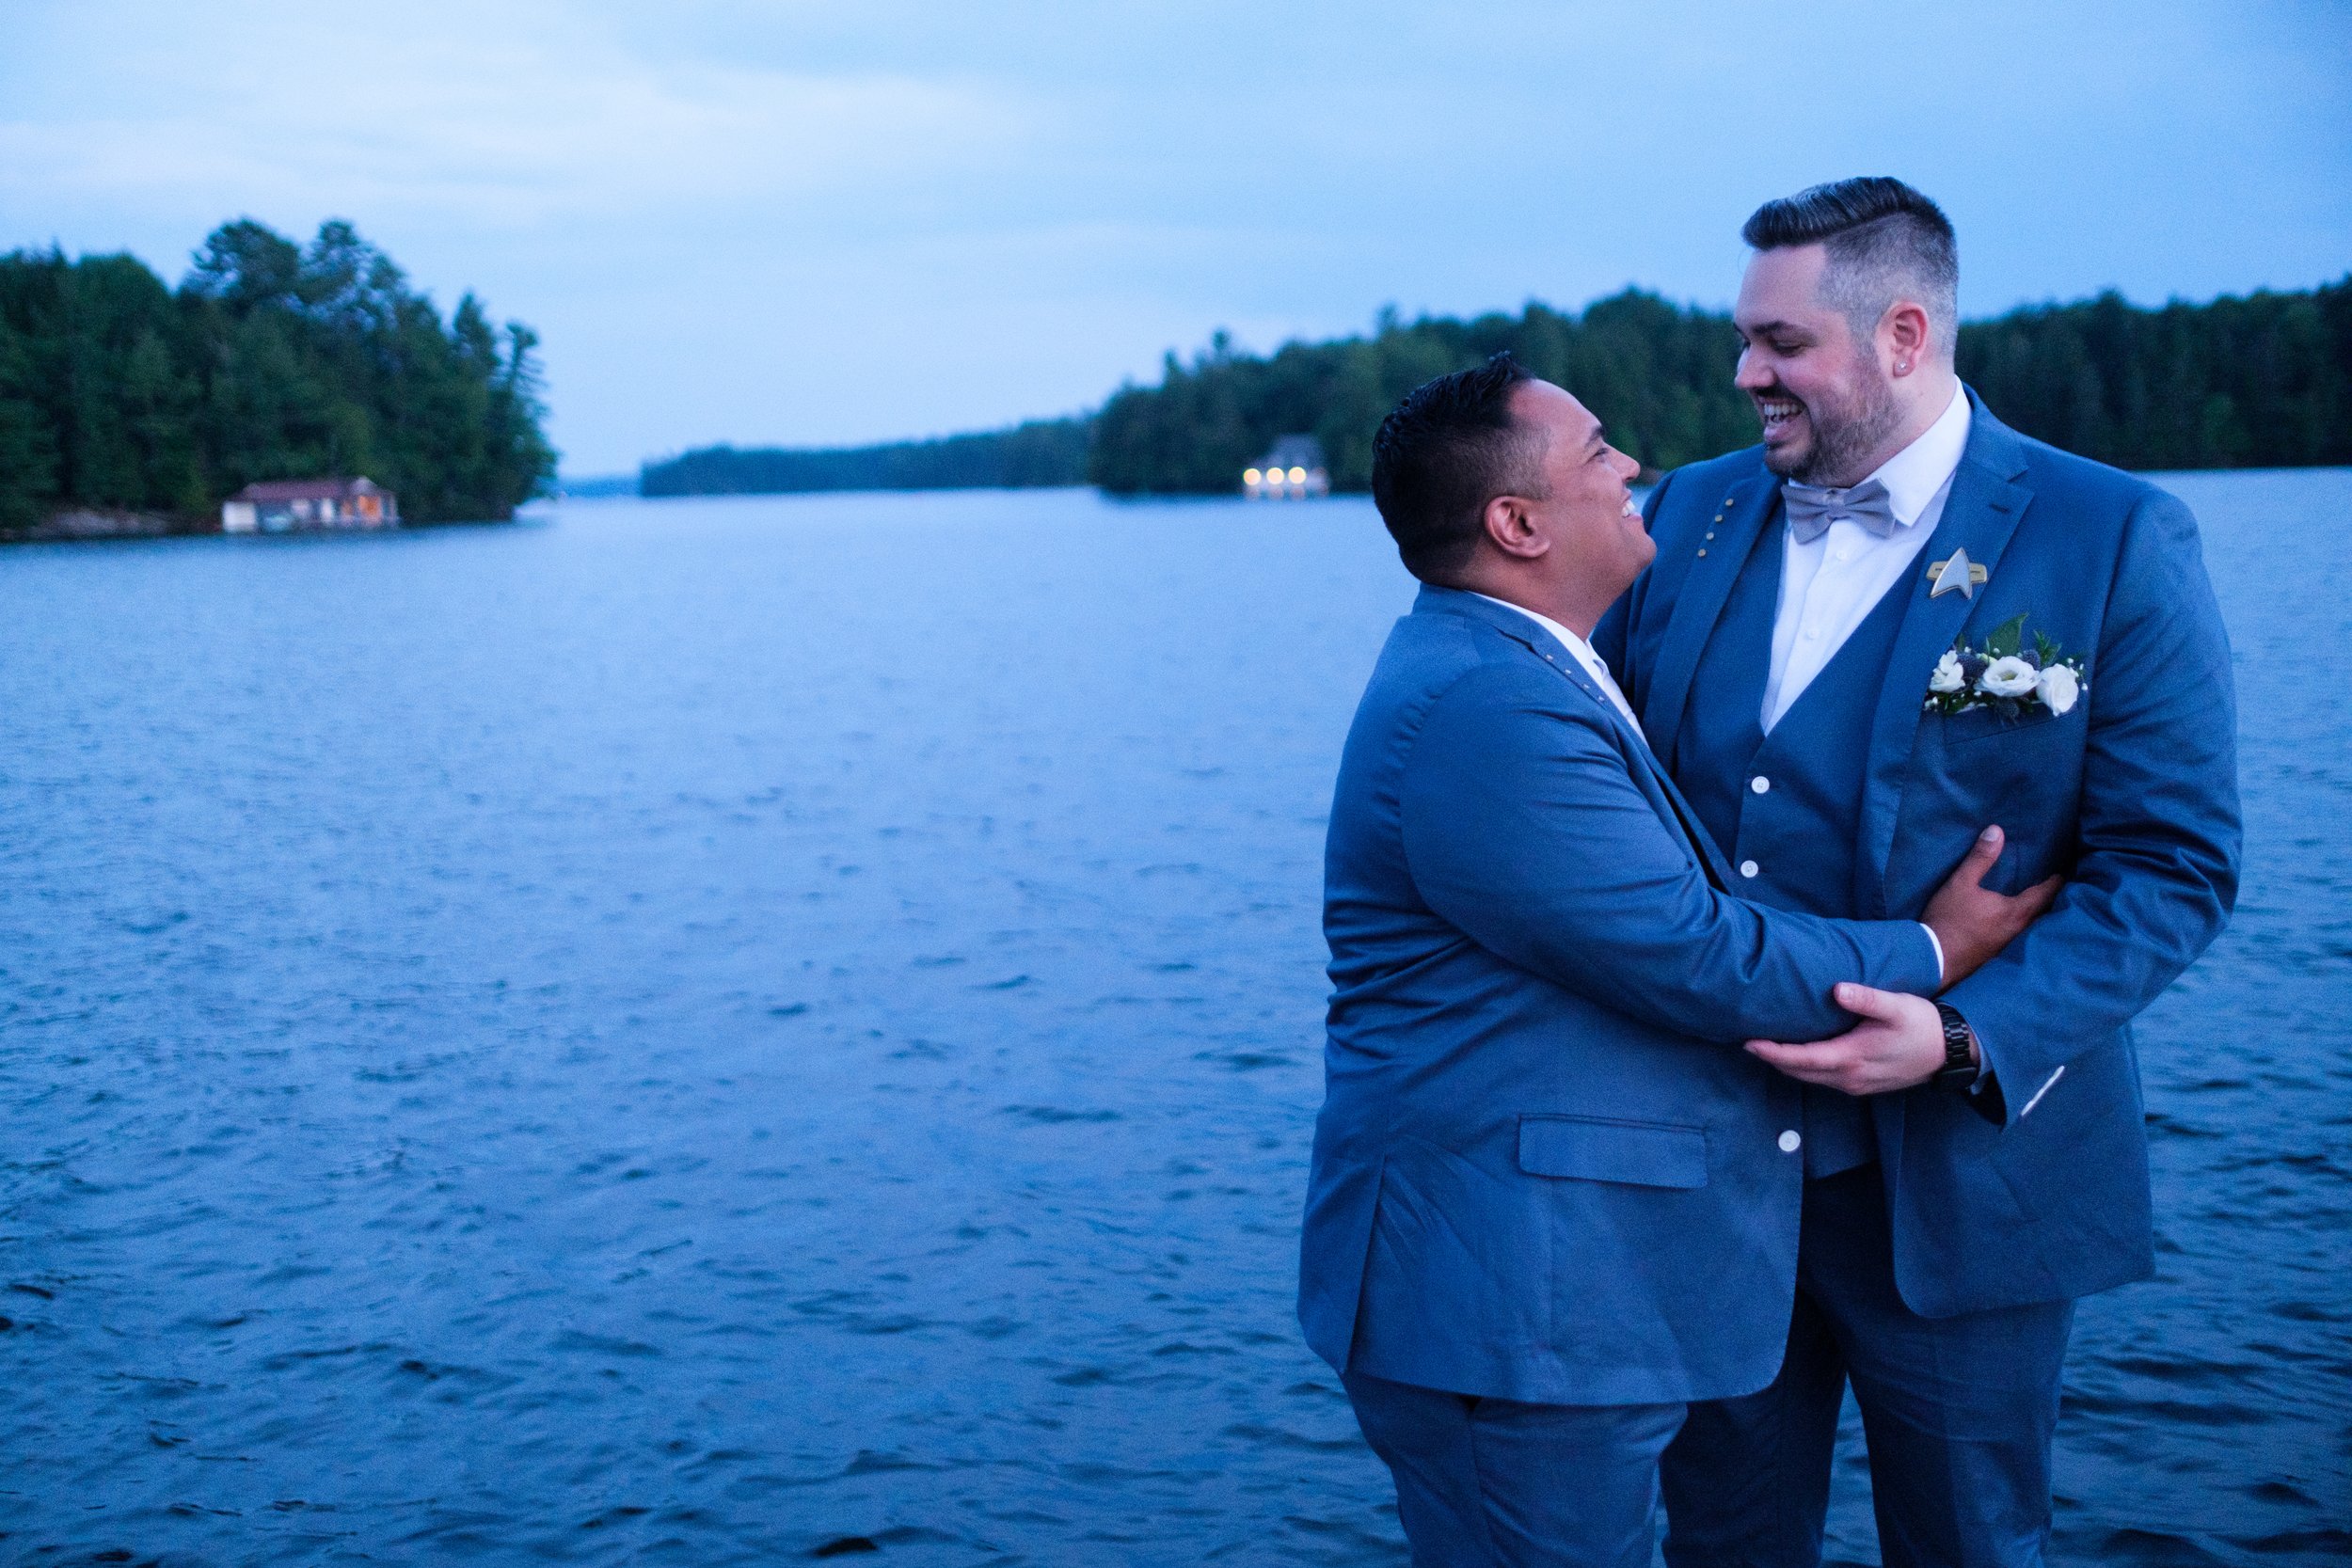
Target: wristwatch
[(1959, 1069)]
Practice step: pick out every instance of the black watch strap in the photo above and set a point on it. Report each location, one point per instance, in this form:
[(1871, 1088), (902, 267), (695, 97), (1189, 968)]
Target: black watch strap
[(1960, 1068)]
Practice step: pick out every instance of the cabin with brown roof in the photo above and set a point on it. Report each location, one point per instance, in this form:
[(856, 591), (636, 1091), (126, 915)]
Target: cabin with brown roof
[(285, 505)]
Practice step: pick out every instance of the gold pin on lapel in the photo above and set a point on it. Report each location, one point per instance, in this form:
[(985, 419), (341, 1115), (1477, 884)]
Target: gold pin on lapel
[(1959, 574)]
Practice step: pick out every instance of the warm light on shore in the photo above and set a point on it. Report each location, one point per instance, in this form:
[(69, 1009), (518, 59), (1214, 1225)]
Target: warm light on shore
[(1294, 470)]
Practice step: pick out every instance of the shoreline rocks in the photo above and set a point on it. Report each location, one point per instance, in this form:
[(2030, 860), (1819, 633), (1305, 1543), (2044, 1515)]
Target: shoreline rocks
[(99, 522)]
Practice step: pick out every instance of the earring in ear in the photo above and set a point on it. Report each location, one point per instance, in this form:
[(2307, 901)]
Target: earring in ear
[(1902, 367)]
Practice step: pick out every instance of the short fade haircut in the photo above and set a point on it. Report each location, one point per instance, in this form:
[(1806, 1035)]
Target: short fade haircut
[(1885, 241), (1446, 451)]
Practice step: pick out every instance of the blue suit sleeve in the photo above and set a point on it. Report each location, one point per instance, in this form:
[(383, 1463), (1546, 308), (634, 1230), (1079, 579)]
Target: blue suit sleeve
[(1523, 828), (2158, 833)]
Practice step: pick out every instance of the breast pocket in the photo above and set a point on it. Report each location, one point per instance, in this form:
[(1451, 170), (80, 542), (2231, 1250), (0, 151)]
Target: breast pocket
[(1598, 1149), (1984, 723)]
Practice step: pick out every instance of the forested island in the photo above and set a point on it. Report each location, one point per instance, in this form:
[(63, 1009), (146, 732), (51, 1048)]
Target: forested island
[(2263, 381), (271, 360)]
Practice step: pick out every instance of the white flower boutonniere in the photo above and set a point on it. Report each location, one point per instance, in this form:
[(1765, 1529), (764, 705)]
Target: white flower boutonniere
[(2005, 675), (2058, 686)]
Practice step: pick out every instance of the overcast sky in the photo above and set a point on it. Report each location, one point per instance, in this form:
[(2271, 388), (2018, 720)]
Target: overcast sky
[(815, 223)]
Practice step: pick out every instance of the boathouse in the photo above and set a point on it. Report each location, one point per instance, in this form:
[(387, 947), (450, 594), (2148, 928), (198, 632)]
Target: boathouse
[(284, 505), (1292, 471)]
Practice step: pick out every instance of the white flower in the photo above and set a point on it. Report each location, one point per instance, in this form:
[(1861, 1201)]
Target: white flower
[(2058, 686), (2006, 676), (1947, 677)]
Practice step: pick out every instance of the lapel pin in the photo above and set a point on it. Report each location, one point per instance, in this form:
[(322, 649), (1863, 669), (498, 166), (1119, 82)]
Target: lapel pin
[(1959, 574)]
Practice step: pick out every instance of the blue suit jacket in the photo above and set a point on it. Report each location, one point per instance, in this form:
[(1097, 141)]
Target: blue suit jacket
[(1544, 1169), (2132, 795)]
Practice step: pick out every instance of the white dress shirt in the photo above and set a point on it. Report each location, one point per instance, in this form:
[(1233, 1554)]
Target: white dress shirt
[(1830, 584), (1583, 653)]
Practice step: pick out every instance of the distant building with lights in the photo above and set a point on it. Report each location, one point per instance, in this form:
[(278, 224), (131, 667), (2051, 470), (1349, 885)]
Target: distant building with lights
[(284, 505), (1292, 471)]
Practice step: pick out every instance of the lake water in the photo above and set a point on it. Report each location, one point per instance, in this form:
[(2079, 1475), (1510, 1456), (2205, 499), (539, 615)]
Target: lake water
[(708, 1032)]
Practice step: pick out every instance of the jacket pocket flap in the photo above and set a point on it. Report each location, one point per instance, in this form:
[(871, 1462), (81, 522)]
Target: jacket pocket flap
[(1984, 723), (1645, 1153)]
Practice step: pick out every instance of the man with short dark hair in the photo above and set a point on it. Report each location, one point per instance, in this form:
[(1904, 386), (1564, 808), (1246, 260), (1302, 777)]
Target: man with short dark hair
[(1552, 1200), (1895, 621)]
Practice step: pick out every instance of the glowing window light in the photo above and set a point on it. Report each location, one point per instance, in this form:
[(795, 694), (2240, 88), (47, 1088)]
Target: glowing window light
[(1298, 475), (1249, 475)]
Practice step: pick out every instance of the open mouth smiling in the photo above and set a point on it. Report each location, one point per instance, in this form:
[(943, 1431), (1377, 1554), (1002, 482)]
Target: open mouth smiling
[(1778, 414)]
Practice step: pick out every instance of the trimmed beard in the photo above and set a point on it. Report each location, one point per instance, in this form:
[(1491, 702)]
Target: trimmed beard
[(1844, 439)]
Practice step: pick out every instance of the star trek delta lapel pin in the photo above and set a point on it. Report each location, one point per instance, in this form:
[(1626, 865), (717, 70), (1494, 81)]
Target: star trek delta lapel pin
[(1959, 574)]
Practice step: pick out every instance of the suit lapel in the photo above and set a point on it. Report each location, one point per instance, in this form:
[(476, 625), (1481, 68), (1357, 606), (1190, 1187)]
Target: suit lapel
[(1985, 508), (1748, 505)]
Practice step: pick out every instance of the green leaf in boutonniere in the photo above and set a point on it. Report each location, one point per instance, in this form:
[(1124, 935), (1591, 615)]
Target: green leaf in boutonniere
[(2004, 638)]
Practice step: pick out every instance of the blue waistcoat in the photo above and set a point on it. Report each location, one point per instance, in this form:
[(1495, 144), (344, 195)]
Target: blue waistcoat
[(1800, 834)]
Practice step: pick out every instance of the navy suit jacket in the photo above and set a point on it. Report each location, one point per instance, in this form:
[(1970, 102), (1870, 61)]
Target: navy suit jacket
[(2132, 795), (1543, 1169)]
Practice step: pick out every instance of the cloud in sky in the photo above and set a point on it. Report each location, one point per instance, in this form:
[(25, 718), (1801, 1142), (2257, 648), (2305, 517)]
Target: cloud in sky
[(805, 223)]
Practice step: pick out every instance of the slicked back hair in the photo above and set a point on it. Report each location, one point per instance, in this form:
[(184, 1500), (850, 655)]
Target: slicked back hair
[(1884, 241), (1446, 451)]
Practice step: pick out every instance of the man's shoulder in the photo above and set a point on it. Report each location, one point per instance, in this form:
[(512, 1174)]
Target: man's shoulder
[(2054, 471), (1686, 503), (1701, 487), (1470, 660), (2090, 509), (1441, 645)]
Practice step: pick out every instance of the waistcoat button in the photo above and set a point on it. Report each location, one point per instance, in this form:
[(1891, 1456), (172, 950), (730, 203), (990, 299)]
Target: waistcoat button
[(1790, 1141), (1759, 783), (1749, 868)]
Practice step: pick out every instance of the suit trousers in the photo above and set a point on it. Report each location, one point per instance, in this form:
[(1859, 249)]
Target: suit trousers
[(1957, 1412), (1499, 1483)]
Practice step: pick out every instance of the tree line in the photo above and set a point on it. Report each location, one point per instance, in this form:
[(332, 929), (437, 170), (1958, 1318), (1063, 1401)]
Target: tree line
[(270, 360), (2263, 381), (1039, 452)]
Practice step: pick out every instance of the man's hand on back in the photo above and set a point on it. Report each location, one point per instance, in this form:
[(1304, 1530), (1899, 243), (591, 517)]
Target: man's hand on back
[(1972, 922)]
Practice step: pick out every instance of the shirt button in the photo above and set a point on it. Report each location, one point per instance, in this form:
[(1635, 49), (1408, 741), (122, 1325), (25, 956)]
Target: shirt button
[(1789, 1142), (1759, 783), (1749, 868), (1810, 633)]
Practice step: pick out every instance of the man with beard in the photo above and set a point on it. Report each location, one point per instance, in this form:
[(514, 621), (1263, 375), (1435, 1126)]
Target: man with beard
[(1551, 1200), (1896, 620)]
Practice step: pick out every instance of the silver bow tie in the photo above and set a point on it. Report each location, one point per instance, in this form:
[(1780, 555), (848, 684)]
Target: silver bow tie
[(1812, 509)]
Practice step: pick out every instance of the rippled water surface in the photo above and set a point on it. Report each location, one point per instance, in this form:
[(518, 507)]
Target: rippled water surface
[(711, 1032)]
